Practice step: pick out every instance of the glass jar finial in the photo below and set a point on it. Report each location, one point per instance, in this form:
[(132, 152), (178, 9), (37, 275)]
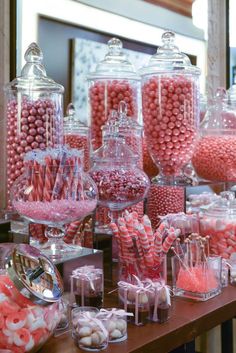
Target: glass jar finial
[(114, 45), (33, 53)]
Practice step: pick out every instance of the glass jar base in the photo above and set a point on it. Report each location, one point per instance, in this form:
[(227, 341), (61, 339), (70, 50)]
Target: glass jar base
[(121, 339), (196, 296), (56, 250)]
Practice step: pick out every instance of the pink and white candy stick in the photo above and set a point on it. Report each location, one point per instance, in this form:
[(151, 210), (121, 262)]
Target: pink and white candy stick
[(116, 233), (127, 244), (145, 245), (148, 229), (157, 253), (169, 240)]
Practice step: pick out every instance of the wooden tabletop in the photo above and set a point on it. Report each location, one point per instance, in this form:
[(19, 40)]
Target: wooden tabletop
[(188, 320)]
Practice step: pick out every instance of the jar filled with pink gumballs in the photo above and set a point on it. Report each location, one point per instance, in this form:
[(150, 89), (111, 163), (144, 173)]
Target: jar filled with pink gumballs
[(214, 155), (30, 295), (77, 134), (170, 107), (114, 80), (34, 113)]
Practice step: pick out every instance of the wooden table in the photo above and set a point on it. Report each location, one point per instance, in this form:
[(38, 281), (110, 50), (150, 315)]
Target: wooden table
[(188, 320)]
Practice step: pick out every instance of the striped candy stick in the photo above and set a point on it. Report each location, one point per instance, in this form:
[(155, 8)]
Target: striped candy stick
[(148, 258), (41, 181), (129, 220), (116, 233), (148, 229), (47, 184), (58, 185), (127, 244), (157, 254), (169, 240), (35, 174)]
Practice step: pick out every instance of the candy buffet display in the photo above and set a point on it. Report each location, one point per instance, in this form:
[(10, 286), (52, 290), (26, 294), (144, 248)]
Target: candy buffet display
[(88, 331), (30, 290), (54, 191), (114, 80), (141, 251), (87, 286), (34, 113), (195, 273), (213, 158), (77, 134), (170, 106), (218, 222)]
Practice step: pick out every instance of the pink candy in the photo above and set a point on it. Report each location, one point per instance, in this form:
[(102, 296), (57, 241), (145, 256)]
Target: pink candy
[(197, 279), (61, 211), (105, 96), (163, 200), (170, 114), (23, 325), (35, 127), (79, 142), (214, 158), (119, 186)]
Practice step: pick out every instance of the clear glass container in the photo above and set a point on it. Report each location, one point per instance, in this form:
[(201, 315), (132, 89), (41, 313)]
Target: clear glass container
[(219, 222), (203, 106), (54, 191), (30, 292), (87, 286), (115, 321), (120, 182), (214, 155), (77, 134), (199, 282), (34, 113), (114, 80), (88, 331), (170, 107)]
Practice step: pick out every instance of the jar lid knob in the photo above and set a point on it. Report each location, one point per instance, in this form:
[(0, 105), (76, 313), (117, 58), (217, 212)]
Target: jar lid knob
[(70, 111), (114, 45), (168, 37), (33, 54), (122, 108)]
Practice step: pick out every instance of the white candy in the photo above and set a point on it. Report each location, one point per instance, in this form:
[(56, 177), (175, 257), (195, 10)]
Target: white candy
[(143, 299), (85, 331), (86, 341), (30, 344), (111, 325), (115, 334), (121, 325), (11, 325), (95, 339), (102, 336)]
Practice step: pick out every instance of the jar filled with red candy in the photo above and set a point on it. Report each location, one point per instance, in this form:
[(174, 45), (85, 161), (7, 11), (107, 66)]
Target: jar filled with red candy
[(120, 181), (114, 80), (34, 113), (77, 134), (219, 223), (30, 293), (170, 107), (214, 155)]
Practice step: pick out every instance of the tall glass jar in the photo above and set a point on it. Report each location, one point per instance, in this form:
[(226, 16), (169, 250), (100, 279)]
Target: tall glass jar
[(214, 156), (34, 113), (77, 134), (170, 106), (114, 80)]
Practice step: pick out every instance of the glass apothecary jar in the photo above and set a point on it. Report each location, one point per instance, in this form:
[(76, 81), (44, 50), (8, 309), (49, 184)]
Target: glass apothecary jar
[(30, 292), (114, 80), (219, 223), (214, 155), (77, 134), (170, 106), (34, 113)]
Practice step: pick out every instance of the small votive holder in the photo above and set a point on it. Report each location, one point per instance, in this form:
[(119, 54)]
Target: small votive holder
[(134, 299), (87, 286), (200, 281), (159, 302), (88, 331), (115, 321)]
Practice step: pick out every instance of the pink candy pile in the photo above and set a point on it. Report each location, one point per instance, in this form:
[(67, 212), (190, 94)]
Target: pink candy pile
[(105, 96), (32, 125), (121, 186), (79, 142), (169, 111), (57, 211), (24, 326), (214, 158), (164, 199), (222, 235), (197, 279)]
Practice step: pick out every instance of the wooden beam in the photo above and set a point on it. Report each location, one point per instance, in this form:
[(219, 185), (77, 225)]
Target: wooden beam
[(183, 7)]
